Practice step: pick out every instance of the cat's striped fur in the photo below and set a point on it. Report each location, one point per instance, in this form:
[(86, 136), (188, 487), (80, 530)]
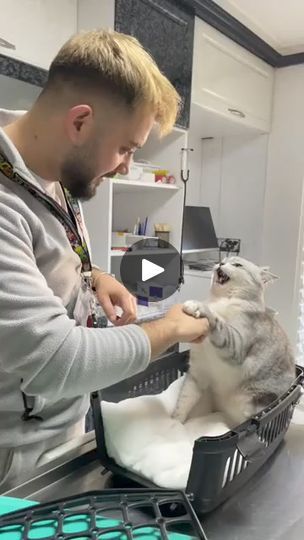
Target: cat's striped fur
[(246, 362)]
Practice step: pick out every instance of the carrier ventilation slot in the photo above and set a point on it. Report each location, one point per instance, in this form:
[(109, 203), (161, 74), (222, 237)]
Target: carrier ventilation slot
[(275, 427), (235, 464), (156, 383)]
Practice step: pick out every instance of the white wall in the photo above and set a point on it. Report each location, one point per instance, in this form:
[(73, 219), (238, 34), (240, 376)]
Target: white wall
[(228, 174), (285, 172)]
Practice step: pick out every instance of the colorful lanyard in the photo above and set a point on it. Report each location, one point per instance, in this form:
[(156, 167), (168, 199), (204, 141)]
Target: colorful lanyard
[(67, 220)]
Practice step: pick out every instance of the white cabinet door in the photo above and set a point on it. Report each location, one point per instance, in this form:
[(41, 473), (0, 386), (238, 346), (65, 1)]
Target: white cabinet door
[(37, 28), (94, 14), (243, 181), (196, 286), (230, 80)]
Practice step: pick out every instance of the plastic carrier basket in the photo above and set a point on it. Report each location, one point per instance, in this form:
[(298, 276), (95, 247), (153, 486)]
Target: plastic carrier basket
[(141, 514), (220, 465)]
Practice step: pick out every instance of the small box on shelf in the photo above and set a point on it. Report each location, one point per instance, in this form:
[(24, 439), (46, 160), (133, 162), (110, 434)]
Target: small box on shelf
[(162, 231), (124, 241)]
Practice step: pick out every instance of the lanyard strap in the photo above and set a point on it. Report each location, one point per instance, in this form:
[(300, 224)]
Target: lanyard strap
[(69, 222)]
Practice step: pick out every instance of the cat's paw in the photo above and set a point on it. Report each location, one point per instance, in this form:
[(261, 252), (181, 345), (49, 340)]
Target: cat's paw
[(193, 308), (199, 310), (196, 309)]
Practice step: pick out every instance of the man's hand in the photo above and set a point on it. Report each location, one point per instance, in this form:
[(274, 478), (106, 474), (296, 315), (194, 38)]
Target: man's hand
[(186, 329), (175, 327), (111, 293)]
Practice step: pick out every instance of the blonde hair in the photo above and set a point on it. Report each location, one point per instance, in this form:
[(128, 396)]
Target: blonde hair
[(117, 64)]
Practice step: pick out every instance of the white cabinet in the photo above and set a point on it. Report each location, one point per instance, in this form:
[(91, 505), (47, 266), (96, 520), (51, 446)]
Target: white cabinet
[(37, 28), (283, 230), (228, 174), (196, 287), (231, 88), (94, 14)]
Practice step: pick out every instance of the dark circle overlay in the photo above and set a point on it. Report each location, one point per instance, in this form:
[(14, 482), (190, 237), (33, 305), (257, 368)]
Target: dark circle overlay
[(159, 287)]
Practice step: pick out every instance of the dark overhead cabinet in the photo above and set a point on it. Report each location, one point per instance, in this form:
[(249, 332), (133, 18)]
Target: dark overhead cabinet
[(166, 30)]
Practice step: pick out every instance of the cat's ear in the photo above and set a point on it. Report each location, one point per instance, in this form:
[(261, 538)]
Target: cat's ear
[(267, 276)]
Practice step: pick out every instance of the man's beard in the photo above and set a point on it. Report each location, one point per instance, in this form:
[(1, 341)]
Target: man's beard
[(78, 173), (78, 177)]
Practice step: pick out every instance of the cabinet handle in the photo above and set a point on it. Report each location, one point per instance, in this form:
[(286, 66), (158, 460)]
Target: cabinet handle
[(237, 112), (6, 44)]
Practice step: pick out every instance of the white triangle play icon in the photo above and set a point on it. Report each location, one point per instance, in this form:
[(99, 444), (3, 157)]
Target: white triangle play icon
[(150, 270)]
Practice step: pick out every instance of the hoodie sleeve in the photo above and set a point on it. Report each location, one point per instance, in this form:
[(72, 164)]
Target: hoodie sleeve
[(40, 343)]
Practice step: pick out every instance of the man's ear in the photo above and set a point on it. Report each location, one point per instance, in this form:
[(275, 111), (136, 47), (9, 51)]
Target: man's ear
[(79, 120), (267, 276)]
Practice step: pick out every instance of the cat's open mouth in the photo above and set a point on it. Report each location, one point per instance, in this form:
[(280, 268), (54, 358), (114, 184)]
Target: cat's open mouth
[(221, 277)]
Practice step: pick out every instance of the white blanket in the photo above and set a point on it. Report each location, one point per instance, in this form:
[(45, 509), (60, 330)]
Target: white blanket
[(142, 437)]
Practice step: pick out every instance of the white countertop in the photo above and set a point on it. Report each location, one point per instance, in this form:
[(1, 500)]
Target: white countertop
[(206, 274)]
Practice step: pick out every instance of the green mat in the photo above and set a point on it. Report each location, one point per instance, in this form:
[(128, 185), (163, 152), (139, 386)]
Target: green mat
[(9, 504), (46, 529)]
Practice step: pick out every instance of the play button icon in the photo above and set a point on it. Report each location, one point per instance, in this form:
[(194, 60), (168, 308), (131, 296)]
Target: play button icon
[(150, 273), (150, 270)]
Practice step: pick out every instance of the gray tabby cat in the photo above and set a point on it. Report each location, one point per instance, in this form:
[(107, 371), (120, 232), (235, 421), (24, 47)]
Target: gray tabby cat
[(246, 362)]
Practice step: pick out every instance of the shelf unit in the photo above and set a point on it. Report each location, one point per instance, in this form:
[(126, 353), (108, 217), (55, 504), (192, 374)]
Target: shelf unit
[(145, 252), (125, 186), (119, 202)]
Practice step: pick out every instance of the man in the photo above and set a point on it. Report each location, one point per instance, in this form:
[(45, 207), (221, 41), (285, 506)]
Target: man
[(102, 97)]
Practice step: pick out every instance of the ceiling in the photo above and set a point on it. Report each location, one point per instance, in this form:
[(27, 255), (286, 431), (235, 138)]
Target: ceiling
[(278, 22)]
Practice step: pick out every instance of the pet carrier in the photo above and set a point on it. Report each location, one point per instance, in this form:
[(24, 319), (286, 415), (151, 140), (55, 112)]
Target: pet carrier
[(220, 465)]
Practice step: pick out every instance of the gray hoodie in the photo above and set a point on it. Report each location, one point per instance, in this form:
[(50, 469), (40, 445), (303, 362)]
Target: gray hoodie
[(42, 351)]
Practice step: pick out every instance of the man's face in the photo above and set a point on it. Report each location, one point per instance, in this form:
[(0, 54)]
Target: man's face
[(107, 150)]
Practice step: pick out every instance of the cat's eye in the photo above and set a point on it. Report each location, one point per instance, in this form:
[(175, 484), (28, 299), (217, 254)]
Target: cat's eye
[(238, 265)]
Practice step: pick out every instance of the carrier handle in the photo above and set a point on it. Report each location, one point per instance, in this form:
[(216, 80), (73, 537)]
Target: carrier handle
[(250, 446)]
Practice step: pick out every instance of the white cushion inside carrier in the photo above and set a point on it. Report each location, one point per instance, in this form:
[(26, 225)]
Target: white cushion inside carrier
[(142, 436)]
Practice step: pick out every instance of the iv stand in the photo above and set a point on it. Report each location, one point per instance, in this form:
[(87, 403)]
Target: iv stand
[(184, 174)]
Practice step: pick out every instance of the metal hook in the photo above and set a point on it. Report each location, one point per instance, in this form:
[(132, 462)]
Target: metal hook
[(185, 177)]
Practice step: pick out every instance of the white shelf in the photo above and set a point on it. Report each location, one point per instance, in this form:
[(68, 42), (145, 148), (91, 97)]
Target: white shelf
[(203, 250), (140, 252), (117, 253), (121, 186), (206, 274)]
